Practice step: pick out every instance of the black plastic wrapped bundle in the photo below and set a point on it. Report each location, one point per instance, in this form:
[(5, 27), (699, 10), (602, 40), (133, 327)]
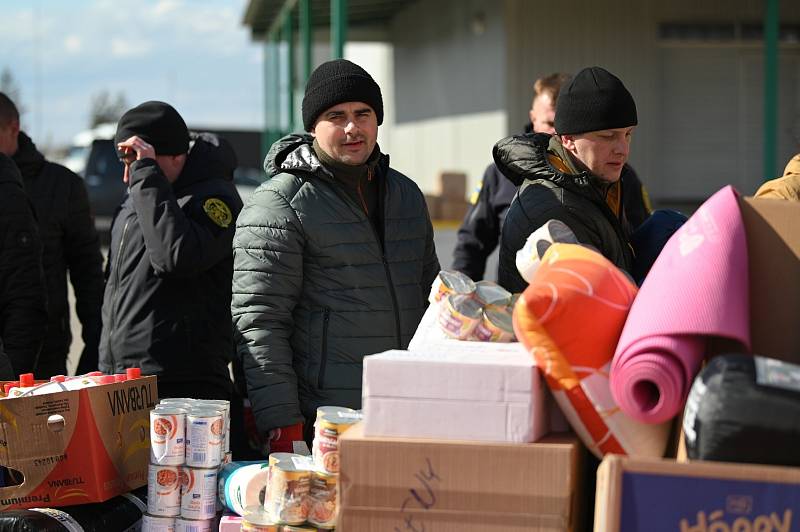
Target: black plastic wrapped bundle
[(744, 409), (118, 514)]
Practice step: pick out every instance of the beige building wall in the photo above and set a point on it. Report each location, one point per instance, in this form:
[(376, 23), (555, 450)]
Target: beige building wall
[(464, 70)]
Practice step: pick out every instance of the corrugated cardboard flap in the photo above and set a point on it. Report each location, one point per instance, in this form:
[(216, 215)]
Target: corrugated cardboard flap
[(773, 247)]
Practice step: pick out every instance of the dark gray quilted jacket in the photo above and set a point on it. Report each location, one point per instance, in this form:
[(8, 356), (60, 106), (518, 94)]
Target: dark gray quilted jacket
[(315, 288)]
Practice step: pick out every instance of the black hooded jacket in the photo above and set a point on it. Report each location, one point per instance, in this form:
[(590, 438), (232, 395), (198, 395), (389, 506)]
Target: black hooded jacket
[(70, 242), (166, 307), (547, 193), (23, 310)]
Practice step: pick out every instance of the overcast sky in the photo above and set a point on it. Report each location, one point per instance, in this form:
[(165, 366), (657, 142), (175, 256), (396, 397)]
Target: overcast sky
[(194, 54)]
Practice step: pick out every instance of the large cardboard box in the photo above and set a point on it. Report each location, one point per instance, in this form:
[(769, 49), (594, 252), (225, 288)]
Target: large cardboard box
[(76, 447), (451, 486), (451, 185), (663, 495), (773, 247), (453, 209), (479, 391)]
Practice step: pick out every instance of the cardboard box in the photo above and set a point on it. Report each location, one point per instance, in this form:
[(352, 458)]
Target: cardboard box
[(773, 247), (451, 185), (475, 391), (663, 495), (77, 447), (453, 209), (434, 203), (448, 486)]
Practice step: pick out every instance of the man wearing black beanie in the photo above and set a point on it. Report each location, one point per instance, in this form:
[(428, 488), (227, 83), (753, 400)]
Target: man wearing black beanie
[(333, 259), (167, 297), (574, 175)]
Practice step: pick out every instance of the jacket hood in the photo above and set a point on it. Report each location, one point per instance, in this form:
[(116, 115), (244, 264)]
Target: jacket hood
[(210, 157), (9, 173), (292, 152), (295, 152), (523, 157), (29, 160)]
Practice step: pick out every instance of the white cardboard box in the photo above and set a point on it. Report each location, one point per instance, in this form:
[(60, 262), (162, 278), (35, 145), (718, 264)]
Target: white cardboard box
[(471, 391)]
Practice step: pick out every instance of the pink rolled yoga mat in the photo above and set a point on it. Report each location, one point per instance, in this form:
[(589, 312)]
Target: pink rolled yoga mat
[(697, 288)]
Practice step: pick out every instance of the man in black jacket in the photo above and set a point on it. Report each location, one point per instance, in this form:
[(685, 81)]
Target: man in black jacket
[(480, 231), (166, 307), (23, 309), (70, 243), (573, 176)]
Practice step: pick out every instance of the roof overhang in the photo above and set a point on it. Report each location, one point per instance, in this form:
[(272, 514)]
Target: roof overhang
[(262, 16)]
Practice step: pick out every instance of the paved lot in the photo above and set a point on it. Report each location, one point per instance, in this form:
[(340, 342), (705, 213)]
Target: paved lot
[(445, 238)]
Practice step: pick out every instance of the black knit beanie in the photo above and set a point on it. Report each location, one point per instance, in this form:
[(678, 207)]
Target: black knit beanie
[(158, 124), (336, 82), (595, 99)]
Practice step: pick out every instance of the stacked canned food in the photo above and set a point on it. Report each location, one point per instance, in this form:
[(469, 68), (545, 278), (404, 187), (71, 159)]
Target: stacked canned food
[(473, 311), (301, 493), (189, 442)]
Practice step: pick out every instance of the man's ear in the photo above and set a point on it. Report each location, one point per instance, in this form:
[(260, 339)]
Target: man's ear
[(15, 126), (568, 141)]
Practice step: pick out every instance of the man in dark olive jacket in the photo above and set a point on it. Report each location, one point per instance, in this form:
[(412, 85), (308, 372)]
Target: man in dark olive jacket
[(70, 244), (167, 300), (333, 259), (23, 310), (573, 176)]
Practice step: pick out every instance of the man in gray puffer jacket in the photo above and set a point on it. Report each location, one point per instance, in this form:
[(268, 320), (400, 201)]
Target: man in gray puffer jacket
[(333, 259)]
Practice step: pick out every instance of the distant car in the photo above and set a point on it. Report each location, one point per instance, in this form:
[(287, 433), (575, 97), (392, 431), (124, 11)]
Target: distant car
[(94, 157)]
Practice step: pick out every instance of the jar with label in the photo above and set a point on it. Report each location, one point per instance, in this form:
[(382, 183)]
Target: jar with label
[(331, 422)]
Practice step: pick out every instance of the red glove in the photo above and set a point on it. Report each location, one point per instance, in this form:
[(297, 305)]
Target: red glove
[(280, 439)]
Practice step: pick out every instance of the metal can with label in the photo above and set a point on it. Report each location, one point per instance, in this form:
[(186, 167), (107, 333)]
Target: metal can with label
[(167, 436), (204, 430), (448, 283), (287, 499), (331, 422), (459, 315), (182, 524), (163, 490), (226, 407), (324, 505), (198, 493), (489, 293), (157, 523), (496, 326)]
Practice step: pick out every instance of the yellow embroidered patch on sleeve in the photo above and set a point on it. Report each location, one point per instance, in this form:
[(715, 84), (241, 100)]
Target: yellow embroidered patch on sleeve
[(218, 211), (473, 198)]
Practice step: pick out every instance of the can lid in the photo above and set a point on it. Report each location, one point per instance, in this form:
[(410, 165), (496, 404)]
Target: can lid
[(168, 410), (94, 374), (26, 380), (7, 386), (133, 373), (58, 378), (257, 515), (338, 415), (203, 411), (178, 400), (106, 379)]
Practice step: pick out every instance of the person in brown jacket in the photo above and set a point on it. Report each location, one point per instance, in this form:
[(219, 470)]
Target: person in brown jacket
[(786, 186)]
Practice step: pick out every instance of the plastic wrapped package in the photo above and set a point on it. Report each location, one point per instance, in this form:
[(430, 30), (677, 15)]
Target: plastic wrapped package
[(744, 409), (121, 513)]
